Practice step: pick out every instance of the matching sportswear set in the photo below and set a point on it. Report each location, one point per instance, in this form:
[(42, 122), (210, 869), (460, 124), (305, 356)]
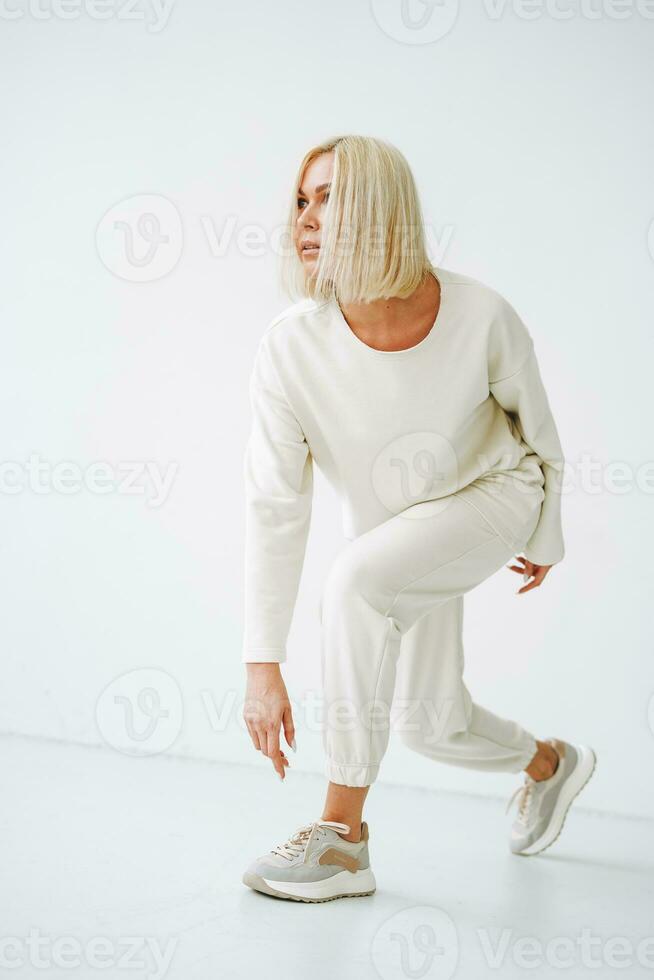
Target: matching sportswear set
[(447, 461)]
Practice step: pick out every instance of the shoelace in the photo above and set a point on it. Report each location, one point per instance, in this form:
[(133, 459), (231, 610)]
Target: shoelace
[(526, 795), (298, 841)]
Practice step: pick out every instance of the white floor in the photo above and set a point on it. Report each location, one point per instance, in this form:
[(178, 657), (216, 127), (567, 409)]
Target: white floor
[(121, 867)]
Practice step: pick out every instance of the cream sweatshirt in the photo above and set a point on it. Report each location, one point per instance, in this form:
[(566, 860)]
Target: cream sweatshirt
[(389, 429)]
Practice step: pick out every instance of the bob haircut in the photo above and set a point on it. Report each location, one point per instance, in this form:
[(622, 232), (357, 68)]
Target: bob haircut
[(372, 237)]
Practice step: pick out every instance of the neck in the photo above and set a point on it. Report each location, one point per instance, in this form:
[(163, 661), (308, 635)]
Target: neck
[(395, 311), (396, 318)]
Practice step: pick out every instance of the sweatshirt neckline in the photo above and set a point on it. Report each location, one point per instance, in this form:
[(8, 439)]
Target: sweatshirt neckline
[(421, 345)]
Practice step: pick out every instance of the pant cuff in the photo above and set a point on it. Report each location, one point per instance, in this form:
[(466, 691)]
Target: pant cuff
[(351, 774), (527, 755)]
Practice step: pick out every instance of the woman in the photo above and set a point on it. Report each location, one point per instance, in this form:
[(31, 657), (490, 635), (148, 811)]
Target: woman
[(417, 393)]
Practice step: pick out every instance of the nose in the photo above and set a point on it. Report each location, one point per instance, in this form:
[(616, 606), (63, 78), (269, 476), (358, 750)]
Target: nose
[(308, 218)]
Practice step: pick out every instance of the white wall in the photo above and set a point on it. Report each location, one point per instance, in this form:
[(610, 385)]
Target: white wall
[(531, 141)]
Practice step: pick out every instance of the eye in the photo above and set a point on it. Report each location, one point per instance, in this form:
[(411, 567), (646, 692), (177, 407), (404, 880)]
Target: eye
[(301, 201)]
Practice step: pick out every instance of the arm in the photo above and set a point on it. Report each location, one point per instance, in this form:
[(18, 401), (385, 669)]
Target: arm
[(278, 478), (515, 382)]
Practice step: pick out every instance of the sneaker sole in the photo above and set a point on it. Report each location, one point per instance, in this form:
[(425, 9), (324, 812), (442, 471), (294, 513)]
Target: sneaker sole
[(353, 886), (572, 788)]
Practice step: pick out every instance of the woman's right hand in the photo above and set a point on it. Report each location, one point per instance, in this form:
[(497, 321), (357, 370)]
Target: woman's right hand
[(266, 709)]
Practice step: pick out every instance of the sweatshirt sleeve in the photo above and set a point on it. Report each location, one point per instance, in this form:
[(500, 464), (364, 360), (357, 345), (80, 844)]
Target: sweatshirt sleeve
[(516, 384), (278, 483)]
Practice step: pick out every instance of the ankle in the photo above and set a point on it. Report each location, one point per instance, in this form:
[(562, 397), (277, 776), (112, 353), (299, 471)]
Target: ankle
[(544, 764), (354, 835)]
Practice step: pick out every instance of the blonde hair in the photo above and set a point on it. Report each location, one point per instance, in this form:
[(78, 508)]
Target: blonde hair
[(372, 239)]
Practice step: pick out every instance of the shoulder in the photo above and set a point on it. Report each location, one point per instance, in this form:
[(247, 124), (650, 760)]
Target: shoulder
[(485, 309), (492, 317), (292, 318), (283, 344), (475, 295), (295, 329)]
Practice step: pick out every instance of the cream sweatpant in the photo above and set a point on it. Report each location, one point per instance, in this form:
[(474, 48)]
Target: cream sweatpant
[(391, 615)]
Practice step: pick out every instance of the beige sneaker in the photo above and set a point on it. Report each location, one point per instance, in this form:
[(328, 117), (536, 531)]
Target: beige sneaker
[(315, 865), (543, 804)]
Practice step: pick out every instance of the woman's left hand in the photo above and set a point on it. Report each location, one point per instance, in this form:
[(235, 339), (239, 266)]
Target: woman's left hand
[(528, 569)]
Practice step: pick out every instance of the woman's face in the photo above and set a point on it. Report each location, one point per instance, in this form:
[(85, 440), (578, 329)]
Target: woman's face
[(311, 202)]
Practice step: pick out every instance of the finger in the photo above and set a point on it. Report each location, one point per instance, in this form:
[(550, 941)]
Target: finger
[(263, 733), (278, 764), (275, 751), (518, 558), (272, 739), (254, 737), (289, 727), (532, 585)]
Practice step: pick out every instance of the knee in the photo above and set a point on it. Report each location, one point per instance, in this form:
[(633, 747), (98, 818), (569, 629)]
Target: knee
[(344, 579), (348, 581), (423, 738)]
